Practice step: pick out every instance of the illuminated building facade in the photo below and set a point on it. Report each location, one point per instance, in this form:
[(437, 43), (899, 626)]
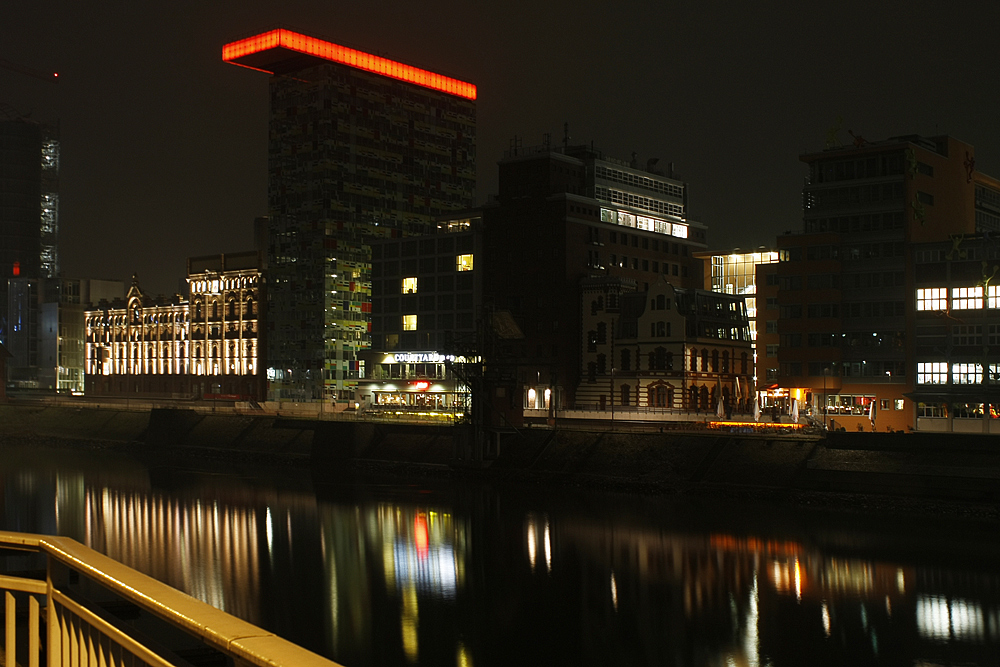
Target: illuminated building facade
[(663, 347), (206, 344), (735, 272), (563, 214), (361, 148), (956, 367), (426, 297), (846, 283)]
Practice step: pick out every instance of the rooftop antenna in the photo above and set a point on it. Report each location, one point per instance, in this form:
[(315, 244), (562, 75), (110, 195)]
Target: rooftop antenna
[(515, 143)]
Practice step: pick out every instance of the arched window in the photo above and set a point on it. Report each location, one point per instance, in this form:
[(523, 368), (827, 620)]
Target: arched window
[(715, 361), (743, 363), (704, 360), (249, 306), (626, 394), (725, 361), (197, 311), (215, 310), (704, 397), (626, 356), (232, 308)]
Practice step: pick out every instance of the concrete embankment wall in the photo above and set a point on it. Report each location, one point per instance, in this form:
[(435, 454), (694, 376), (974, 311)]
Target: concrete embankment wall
[(960, 467)]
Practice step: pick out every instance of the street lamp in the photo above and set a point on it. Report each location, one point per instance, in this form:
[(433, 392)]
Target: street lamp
[(826, 371)]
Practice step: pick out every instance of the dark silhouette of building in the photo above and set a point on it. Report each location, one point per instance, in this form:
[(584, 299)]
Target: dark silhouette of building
[(565, 213), (29, 208), (361, 148)]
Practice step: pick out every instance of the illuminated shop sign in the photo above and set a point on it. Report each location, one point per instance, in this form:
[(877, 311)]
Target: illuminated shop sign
[(422, 358), (646, 223)]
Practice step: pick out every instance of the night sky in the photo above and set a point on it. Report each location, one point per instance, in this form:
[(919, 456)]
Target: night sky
[(164, 146)]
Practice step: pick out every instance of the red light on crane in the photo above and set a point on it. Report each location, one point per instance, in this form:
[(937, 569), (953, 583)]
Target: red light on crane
[(266, 50), (17, 268)]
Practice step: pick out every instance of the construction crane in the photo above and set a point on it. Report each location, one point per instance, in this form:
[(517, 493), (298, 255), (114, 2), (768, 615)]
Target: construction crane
[(44, 76)]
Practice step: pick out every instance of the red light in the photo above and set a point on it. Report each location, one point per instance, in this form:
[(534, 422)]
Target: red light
[(17, 268), (55, 74), (421, 385), (292, 41)]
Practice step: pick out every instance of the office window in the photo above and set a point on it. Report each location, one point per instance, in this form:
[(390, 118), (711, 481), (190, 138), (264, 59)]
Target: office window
[(409, 322), (966, 373), (463, 263), (772, 350), (967, 298), (409, 285), (932, 298), (993, 296), (932, 372)]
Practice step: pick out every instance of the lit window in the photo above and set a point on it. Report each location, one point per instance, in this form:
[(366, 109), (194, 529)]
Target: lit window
[(967, 373), (409, 285), (967, 298), (409, 322), (463, 263), (898, 403), (932, 298), (933, 372), (993, 296)]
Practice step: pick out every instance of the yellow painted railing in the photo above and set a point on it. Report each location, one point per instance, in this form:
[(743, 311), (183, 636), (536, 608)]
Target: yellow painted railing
[(92, 611)]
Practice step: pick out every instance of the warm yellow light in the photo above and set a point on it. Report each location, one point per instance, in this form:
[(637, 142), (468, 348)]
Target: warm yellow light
[(463, 263)]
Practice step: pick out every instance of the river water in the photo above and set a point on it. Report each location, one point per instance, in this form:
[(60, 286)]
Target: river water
[(434, 573)]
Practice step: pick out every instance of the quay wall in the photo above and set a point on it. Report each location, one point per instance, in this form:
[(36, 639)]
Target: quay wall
[(957, 467)]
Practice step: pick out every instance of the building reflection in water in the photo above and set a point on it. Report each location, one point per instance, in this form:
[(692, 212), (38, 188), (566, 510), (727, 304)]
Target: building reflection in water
[(489, 577), (207, 549), (394, 557)]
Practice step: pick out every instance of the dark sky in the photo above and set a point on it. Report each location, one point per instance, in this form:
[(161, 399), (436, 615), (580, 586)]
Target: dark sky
[(164, 145)]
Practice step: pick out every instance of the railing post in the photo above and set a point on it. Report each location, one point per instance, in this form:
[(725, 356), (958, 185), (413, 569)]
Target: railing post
[(11, 623)]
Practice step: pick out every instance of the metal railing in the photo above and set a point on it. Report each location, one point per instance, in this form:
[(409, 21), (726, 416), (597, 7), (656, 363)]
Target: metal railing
[(90, 610)]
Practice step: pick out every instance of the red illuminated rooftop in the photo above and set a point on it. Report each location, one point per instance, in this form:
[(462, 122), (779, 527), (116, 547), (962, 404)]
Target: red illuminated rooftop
[(282, 51)]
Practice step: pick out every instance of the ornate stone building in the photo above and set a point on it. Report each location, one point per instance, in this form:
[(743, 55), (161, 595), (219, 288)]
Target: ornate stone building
[(663, 348), (202, 345)]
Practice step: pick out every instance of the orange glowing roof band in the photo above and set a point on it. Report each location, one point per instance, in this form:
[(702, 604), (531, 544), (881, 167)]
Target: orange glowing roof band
[(293, 41)]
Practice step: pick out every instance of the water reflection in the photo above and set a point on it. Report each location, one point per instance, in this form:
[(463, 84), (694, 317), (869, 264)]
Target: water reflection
[(470, 575)]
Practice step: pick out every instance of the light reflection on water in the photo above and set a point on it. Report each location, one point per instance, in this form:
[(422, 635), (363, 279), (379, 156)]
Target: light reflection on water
[(472, 575)]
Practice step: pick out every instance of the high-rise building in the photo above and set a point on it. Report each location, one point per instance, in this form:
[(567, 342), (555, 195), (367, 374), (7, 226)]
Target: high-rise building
[(29, 206), (361, 147), (845, 297)]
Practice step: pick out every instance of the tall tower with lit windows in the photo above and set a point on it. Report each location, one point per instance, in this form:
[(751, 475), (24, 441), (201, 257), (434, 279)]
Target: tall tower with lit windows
[(29, 211), (361, 147)]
